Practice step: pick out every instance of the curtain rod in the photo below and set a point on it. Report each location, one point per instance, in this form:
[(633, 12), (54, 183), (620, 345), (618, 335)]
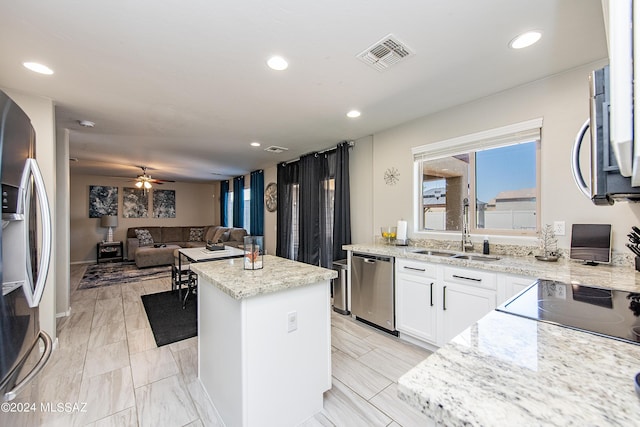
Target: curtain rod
[(326, 150)]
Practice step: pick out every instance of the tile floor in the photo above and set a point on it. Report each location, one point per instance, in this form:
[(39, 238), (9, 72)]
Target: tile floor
[(107, 357)]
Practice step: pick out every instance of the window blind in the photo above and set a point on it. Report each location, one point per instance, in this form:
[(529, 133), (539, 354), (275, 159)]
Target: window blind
[(517, 133)]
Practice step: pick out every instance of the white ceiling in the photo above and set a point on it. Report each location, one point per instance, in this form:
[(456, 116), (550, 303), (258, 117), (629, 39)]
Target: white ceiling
[(183, 88)]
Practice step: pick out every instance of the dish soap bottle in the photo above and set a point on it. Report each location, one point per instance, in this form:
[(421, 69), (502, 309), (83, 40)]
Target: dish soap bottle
[(485, 245)]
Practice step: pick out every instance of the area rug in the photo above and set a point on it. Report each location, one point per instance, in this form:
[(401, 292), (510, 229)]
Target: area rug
[(169, 321), (115, 273)]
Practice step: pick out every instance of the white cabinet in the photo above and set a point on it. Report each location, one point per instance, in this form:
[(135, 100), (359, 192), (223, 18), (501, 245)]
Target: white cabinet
[(510, 285), (434, 303), (416, 299), (467, 296)]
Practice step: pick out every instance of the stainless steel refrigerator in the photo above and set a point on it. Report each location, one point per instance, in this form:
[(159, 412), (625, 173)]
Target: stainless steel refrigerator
[(24, 260)]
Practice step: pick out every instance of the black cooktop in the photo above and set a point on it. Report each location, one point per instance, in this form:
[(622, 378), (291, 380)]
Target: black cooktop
[(607, 312)]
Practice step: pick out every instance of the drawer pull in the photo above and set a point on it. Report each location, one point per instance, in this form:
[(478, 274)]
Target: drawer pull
[(431, 294), (467, 278), (414, 269)]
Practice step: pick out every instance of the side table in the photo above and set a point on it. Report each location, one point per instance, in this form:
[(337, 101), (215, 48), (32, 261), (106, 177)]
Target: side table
[(109, 251)]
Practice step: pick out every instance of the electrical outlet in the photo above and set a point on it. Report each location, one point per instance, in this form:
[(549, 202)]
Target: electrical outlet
[(292, 321), (558, 228)]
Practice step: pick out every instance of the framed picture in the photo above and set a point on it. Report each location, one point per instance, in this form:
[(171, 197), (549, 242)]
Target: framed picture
[(103, 200), (135, 203), (164, 203)]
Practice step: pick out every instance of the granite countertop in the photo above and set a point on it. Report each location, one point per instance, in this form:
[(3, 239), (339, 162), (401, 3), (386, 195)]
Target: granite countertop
[(277, 275), (507, 371), (618, 277)]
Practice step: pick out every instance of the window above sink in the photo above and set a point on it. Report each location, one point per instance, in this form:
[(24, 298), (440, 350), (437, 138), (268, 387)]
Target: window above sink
[(498, 171)]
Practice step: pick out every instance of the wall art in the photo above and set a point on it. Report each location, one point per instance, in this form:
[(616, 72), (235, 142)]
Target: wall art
[(135, 203), (103, 200), (164, 203)]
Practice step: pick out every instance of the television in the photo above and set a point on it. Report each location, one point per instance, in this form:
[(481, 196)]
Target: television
[(591, 243)]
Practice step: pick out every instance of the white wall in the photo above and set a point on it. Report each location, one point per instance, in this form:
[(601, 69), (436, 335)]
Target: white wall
[(270, 218), (361, 187), (561, 100), (42, 114), (61, 246)]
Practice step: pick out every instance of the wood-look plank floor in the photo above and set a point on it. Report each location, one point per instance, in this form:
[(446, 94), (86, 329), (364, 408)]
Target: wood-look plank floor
[(107, 357)]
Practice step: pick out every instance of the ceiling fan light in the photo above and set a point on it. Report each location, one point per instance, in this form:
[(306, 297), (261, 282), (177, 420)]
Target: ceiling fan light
[(139, 184), (147, 185)]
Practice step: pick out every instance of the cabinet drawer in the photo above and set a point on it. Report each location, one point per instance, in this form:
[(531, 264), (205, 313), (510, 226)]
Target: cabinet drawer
[(415, 268), (471, 277)]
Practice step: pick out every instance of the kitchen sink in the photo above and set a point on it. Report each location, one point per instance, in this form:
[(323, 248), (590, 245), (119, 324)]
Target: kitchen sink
[(470, 257), (434, 253), (474, 257)]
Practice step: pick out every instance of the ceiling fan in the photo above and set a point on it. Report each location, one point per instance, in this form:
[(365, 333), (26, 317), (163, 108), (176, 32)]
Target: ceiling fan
[(145, 180)]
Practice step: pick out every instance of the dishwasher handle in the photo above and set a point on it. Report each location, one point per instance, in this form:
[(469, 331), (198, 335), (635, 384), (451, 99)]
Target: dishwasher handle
[(371, 259)]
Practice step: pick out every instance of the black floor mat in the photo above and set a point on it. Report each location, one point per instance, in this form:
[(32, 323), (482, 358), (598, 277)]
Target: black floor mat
[(169, 321)]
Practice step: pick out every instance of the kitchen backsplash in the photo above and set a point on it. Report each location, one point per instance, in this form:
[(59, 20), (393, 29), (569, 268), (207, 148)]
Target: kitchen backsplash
[(617, 258)]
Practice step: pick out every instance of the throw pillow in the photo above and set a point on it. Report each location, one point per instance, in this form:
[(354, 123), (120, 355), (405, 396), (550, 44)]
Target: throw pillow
[(225, 236), (144, 237), (196, 234)]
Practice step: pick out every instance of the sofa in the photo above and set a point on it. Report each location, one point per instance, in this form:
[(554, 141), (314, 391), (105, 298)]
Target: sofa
[(159, 249)]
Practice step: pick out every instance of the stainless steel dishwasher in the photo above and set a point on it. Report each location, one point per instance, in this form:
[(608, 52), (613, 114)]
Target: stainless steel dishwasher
[(372, 291)]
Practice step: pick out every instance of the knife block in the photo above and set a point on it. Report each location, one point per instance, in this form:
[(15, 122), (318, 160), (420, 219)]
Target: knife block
[(638, 263)]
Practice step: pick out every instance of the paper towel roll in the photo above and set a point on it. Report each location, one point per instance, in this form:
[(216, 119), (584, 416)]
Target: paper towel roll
[(401, 230)]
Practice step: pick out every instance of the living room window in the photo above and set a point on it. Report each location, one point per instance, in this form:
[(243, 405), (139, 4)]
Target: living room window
[(246, 211), (497, 173)]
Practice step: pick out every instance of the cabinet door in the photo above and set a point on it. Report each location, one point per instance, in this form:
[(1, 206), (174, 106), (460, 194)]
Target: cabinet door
[(513, 285), (462, 306), (416, 307)]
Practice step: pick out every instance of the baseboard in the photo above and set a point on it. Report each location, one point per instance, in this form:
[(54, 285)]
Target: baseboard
[(64, 314), (83, 262)]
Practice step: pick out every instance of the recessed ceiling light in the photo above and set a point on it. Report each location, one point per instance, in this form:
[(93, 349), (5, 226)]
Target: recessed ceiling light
[(277, 63), (353, 114), (86, 123), (525, 39), (38, 68), (255, 144)]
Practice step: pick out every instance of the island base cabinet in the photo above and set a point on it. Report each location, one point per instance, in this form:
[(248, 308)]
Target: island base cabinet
[(255, 369)]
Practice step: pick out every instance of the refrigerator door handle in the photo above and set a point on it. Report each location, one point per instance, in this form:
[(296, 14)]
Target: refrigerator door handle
[(48, 346), (32, 292), (575, 164)]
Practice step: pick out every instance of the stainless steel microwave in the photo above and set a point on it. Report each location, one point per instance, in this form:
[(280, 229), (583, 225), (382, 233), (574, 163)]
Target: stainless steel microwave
[(606, 185)]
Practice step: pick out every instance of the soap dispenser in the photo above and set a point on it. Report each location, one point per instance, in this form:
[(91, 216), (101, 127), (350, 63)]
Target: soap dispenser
[(485, 245)]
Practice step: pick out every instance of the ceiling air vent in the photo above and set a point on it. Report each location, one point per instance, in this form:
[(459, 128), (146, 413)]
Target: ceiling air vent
[(276, 149), (385, 53)]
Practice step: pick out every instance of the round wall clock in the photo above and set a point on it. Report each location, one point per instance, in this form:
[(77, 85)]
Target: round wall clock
[(391, 176), (271, 197)]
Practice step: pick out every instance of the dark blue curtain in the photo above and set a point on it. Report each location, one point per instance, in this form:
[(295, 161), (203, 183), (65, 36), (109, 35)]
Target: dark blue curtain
[(238, 201), (224, 200), (257, 203)]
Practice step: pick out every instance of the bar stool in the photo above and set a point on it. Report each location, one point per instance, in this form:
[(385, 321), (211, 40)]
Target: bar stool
[(179, 277), (192, 284)]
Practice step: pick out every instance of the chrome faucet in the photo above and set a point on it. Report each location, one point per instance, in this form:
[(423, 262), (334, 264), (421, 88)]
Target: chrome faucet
[(466, 242)]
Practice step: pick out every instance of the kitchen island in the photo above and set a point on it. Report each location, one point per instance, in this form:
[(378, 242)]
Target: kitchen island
[(264, 340)]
